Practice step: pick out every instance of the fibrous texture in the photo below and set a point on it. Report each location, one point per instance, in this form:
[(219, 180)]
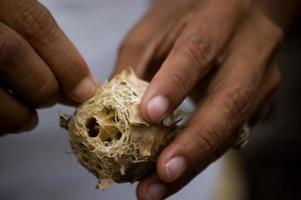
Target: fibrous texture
[(109, 136)]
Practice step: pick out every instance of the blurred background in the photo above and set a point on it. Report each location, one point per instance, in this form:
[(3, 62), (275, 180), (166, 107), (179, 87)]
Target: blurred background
[(39, 164), (272, 159)]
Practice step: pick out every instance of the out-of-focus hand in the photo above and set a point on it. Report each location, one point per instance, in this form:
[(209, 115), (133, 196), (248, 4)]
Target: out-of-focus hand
[(38, 65), (218, 52)]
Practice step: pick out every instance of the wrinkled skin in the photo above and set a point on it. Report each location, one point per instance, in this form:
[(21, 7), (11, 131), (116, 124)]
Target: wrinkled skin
[(39, 66), (109, 136), (221, 54)]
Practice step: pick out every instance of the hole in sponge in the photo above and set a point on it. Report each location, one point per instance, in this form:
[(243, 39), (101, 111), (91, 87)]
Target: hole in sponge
[(122, 83), (110, 133), (92, 127), (118, 136)]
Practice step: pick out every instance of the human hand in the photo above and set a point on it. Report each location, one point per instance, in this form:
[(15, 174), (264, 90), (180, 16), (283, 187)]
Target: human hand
[(218, 52), (38, 65)]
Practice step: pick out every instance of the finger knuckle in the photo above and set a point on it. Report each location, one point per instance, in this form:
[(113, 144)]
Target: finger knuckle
[(10, 48), (207, 145), (239, 5), (275, 80), (277, 77), (24, 119), (181, 78), (272, 37), (277, 35), (210, 146), (33, 20), (237, 102), (199, 49), (131, 43), (268, 32), (70, 72)]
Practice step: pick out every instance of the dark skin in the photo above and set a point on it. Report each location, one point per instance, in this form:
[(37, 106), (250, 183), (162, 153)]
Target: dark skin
[(39, 66), (220, 53)]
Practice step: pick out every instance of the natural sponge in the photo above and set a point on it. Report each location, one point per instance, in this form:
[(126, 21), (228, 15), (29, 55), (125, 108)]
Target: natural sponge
[(109, 136)]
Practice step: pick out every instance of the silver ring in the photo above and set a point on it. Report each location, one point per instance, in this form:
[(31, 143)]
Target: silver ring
[(243, 136)]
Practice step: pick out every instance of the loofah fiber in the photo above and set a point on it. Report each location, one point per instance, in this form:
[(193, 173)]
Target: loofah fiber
[(109, 136)]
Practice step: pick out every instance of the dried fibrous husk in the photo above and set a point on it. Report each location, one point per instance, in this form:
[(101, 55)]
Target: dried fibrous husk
[(109, 136)]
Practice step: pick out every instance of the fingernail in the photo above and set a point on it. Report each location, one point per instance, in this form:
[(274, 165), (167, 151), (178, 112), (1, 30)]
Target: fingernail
[(84, 90), (155, 191), (175, 167), (157, 108)]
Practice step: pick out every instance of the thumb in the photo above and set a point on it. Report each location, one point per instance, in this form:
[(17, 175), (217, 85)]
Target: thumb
[(37, 26)]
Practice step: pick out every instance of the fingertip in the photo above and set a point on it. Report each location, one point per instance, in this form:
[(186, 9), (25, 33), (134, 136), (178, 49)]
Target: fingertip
[(151, 188), (84, 90), (155, 109), (93, 79), (33, 122), (171, 164), (141, 189), (161, 170), (29, 124)]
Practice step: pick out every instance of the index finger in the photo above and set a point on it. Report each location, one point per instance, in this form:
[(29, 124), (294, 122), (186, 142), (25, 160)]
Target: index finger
[(230, 100), (35, 23), (193, 54)]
